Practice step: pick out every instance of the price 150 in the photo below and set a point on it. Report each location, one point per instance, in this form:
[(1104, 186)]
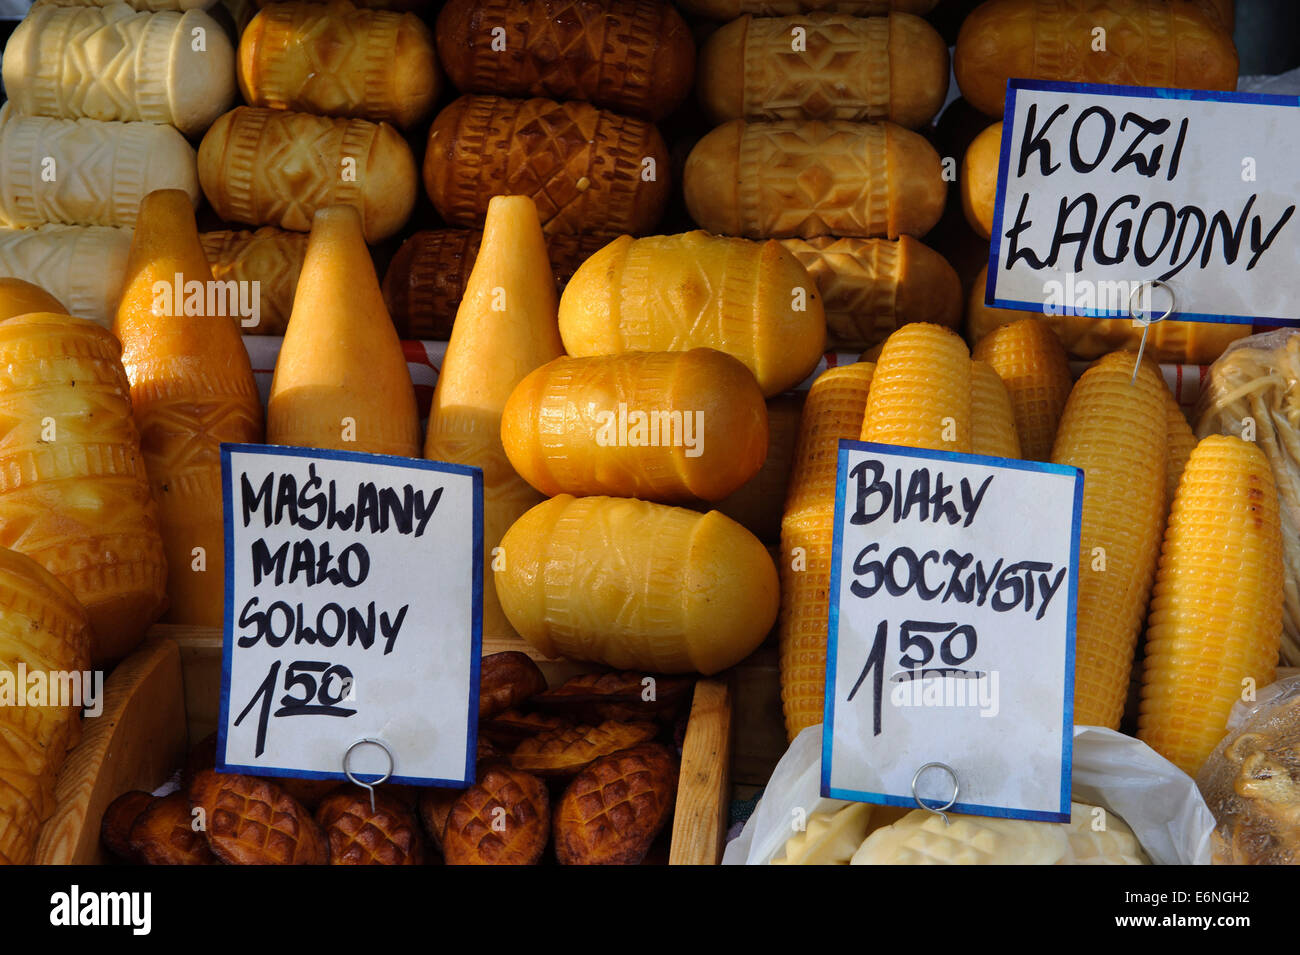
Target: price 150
[(956, 645), (320, 697)]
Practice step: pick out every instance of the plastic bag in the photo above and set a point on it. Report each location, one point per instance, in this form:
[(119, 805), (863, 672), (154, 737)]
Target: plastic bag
[(1123, 775), (1258, 379), (1251, 781)]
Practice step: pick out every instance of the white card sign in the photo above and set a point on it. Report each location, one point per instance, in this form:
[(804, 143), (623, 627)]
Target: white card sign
[(353, 612), (1102, 189), (951, 636)]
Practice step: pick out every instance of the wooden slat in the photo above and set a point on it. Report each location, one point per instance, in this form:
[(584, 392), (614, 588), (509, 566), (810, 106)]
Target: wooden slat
[(136, 743), (703, 792)]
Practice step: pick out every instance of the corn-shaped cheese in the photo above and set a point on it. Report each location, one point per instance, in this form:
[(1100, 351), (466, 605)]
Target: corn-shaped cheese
[(757, 504), (112, 63), (1149, 43), (271, 167), (1196, 343), (1115, 432), (427, 276), (673, 427), (338, 60), (341, 379), (752, 300), (632, 56), (825, 66), (587, 169), (1033, 365), (81, 266), (993, 422), (871, 287), (921, 392), (636, 585), (1216, 612), (506, 322), (809, 177), (192, 389), (44, 629), (832, 412), (82, 172), (22, 298), (74, 496), (269, 259), (1180, 440), (730, 9)]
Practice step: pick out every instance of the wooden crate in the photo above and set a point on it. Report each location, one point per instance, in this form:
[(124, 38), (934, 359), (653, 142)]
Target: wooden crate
[(167, 694)]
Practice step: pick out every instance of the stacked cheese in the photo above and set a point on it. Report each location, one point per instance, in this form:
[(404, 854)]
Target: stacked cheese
[(560, 103), (328, 87), (816, 149), (101, 100)]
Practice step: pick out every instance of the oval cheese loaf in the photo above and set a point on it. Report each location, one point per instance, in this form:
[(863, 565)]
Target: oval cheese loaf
[(272, 167), (83, 172), (269, 257), (673, 427), (338, 60), (872, 286), (21, 298), (114, 63), (634, 56), (42, 629), (75, 497), (426, 277), (809, 178), (636, 585), (825, 66), (979, 180), (81, 266), (752, 300), (1147, 43), (730, 9), (587, 169)]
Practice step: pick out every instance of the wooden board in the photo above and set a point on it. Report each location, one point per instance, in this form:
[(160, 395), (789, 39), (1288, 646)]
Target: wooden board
[(136, 743), (699, 825)]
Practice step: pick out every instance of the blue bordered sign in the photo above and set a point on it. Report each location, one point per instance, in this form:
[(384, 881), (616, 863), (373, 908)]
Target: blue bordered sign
[(951, 636), (1104, 188), (353, 611)]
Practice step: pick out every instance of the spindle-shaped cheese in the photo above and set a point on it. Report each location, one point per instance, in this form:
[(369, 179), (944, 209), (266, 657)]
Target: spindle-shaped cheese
[(505, 327), (341, 379), (637, 585), (192, 389), (674, 427)]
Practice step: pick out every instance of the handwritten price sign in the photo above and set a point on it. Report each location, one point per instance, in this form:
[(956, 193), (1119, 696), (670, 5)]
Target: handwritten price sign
[(1104, 188), (952, 630), (353, 611)]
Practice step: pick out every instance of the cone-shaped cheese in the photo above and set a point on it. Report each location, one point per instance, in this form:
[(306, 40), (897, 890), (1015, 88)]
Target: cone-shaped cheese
[(341, 380), (43, 628), (506, 326), (22, 298), (191, 389), (73, 492)]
